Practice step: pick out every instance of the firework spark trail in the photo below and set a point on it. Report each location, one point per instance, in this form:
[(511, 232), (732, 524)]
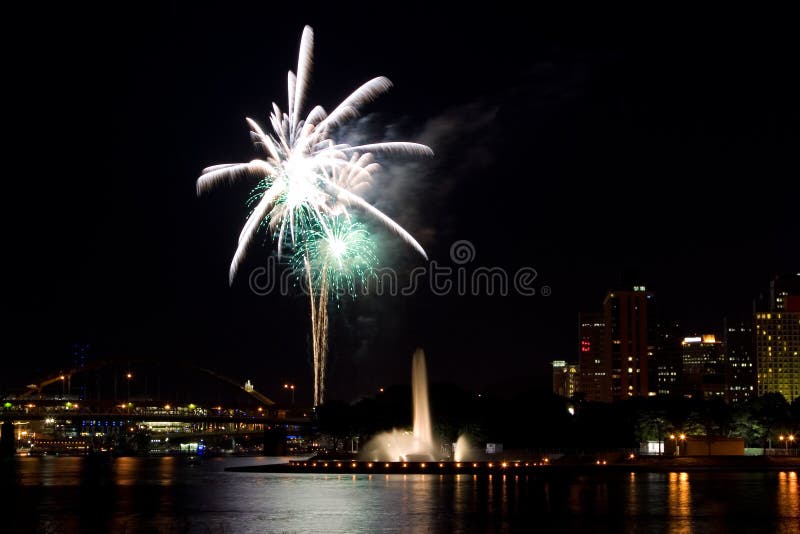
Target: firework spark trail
[(314, 338), (322, 339), (319, 331), (305, 180), (319, 336), (337, 255)]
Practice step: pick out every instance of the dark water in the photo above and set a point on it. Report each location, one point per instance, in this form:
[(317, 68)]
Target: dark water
[(167, 495)]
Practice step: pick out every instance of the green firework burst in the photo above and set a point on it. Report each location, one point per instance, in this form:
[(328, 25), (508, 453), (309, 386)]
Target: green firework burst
[(340, 253)]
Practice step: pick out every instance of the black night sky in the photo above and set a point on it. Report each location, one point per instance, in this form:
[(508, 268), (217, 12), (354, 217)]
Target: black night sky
[(596, 150)]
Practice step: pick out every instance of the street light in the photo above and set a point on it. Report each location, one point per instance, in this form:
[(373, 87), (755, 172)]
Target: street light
[(677, 439), (129, 376), (291, 387)]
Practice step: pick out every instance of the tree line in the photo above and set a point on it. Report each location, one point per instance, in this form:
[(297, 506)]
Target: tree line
[(539, 419)]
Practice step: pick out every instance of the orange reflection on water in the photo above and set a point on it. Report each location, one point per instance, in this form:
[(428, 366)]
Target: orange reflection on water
[(788, 494), (633, 503), (132, 470), (679, 499)]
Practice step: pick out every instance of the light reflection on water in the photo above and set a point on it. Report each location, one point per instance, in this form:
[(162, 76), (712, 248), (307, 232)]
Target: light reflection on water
[(168, 495), (680, 506), (789, 494)]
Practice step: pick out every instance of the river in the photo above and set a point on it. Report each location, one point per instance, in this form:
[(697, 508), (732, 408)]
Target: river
[(131, 495)]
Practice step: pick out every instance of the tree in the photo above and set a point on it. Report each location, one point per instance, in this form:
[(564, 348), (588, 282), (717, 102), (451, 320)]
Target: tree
[(745, 424), (651, 425), (772, 411), (335, 418)]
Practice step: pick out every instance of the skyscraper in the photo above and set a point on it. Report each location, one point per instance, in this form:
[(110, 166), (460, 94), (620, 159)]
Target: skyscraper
[(703, 366), (565, 378), (625, 314), (740, 354), (595, 377), (777, 337), (784, 293), (666, 363)]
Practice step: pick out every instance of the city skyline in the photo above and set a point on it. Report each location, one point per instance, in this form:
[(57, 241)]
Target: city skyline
[(742, 359)]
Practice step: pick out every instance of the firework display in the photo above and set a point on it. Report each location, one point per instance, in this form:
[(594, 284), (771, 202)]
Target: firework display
[(308, 195)]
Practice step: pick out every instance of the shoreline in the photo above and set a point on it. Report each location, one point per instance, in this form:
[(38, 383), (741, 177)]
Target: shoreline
[(638, 465)]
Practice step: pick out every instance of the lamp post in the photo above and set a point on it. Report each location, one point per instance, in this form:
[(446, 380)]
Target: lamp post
[(129, 377), (677, 439), (290, 387)]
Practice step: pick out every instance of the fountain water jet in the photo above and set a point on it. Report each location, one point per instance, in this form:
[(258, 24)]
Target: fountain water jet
[(399, 445), (423, 433), (463, 451)]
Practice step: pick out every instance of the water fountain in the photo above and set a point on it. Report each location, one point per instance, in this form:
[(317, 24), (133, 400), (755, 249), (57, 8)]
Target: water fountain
[(404, 451), (399, 445), (464, 451)]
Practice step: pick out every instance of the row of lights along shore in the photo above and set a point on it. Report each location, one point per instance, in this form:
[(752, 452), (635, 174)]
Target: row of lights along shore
[(425, 465)]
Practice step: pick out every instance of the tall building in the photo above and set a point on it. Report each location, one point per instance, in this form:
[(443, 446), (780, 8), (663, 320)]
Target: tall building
[(784, 293), (565, 378), (740, 354), (666, 362), (703, 366), (625, 315), (595, 372), (777, 339)]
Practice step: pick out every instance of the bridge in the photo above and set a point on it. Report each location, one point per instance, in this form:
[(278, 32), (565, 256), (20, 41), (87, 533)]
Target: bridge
[(111, 404)]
